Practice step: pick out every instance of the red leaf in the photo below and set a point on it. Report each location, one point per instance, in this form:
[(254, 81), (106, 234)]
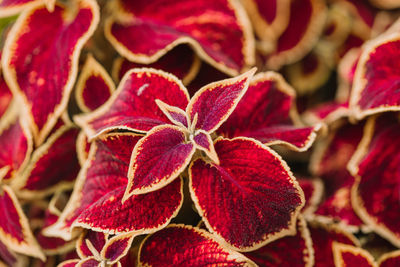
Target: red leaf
[(220, 34), (94, 86), (349, 256), (181, 245), (250, 198), (267, 113), (157, 159), (16, 143), (376, 81), (216, 101), (96, 202), (40, 178), (15, 232), (376, 188), (288, 251), (133, 105), (40, 62)]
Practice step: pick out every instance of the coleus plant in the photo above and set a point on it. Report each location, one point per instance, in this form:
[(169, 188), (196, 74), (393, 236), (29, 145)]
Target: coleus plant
[(179, 134), (148, 157)]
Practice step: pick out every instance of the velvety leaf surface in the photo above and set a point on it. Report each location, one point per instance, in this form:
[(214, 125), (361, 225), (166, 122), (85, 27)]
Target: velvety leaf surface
[(94, 86), (348, 256), (288, 251), (374, 199), (40, 176), (215, 102), (133, 105), (185, 68), (323, 237), (15, 232), (219, 31), (264, 113), (96, 202), (16, 143), (376, 81), (180, 245), (157, 159), (250, 198), (36, 66)]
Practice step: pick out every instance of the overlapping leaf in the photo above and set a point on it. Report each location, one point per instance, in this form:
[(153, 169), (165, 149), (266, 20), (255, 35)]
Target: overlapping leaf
[(15, 232), (219, 31), (133, 105), (347, 255), (251, 189), (376, 80), (96, 202), (40, 178), (37, 68), (94, 86), (16, 142)]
